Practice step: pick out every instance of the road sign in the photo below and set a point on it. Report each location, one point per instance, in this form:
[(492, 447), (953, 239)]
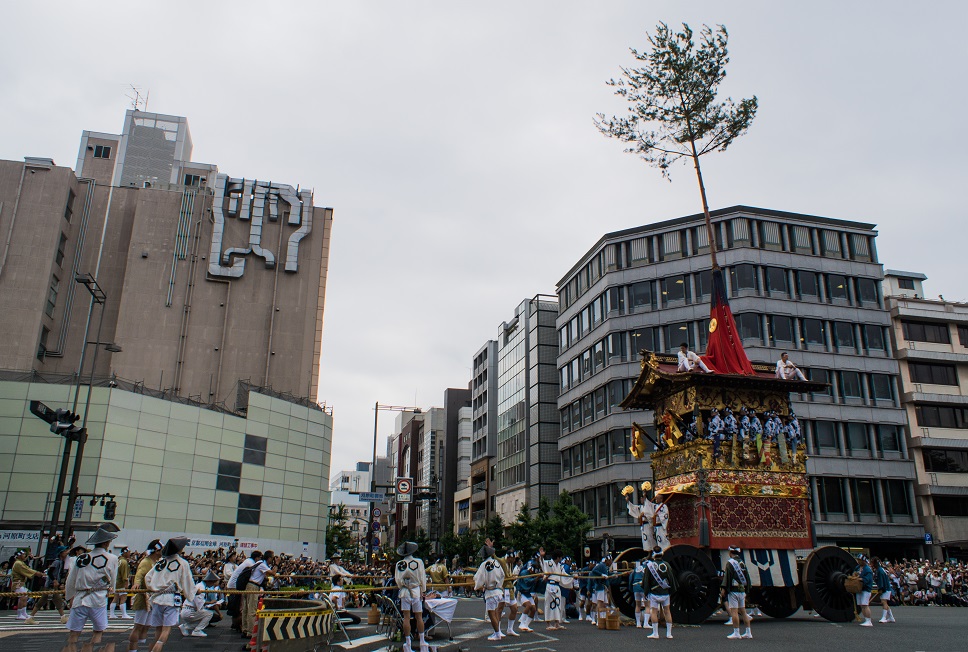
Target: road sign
[(78, 508), (376, 542), (404, 490), (375, 525), (377, 512), (368, 497), (928, 538)]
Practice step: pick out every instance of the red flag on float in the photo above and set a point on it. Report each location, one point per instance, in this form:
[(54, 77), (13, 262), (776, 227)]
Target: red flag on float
[(724, 353)]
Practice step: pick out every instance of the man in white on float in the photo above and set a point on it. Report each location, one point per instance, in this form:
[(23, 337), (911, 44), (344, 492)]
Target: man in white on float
[(786, 370), (689, 361)]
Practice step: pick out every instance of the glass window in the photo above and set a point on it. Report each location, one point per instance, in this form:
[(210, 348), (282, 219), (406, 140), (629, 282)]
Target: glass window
[(889, 437), (896, 497), (69, 208), (770, 236), (598, 356), (640, 295), (672, 244), (844, 334), (812, 331), (566, 463), (881, 387), (831, 243), (867, 290), (831, 495), (857, 439), (940, 460), (52, 296), (703, 334), (850, 384), (615, 300), (615, 347), (822, 376), (644, 339), (808, 284), (61, 249), (863, 495), (742, 277), (576, 415), (740, 230), (836, 286), (781, 328), (825, 434), (750, 326), (933, 374), (941, 416), (223, 529), (589, 448), (674, 289), (586, 409), (918, 331), (638, 251), (859, 247), (604, 498), (776, 280), (800, 239), (255, 450), (704, 283), (586, 364), (601, 442), (950, 506), (617, 391), (565, 419), (873, 337), (676, 334), (905, 283), (621, 441), (599, 399), (700, 239)]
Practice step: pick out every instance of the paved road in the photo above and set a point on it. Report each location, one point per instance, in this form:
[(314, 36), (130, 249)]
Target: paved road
[(919, 629)]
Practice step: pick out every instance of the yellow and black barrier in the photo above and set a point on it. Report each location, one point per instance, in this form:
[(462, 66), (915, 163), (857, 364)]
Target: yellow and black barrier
[(287, 625)]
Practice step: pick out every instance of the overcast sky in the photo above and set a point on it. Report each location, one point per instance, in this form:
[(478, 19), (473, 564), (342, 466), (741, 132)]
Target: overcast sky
[(455, 142)]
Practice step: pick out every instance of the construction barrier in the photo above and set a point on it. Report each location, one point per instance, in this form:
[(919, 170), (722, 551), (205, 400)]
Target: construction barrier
[(287, 625)]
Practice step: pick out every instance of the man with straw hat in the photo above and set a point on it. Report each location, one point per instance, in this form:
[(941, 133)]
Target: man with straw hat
[(89, 582), (171, 582), (411, 579), (490, 578), (196, 613)]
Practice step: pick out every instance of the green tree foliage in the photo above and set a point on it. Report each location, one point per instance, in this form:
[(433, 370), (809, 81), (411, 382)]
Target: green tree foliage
[(424, 548), (464, 545), (569, 525), (493, 529), (521, 534), (673, 113), (559, 525), (339, 537)]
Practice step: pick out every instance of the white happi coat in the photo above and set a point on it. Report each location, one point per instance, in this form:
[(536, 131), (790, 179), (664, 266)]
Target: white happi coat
[(554, 606), (490, 578), (644, 514), (171, 580), (411, 577), (92, 576)]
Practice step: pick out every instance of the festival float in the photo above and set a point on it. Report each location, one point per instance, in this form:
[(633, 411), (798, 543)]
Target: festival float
[(729, 469)]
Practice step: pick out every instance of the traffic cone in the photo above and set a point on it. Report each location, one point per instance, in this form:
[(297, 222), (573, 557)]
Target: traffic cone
[(254, 642)]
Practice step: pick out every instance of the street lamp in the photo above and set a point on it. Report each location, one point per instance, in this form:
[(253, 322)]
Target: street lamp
[(369, 514), (100, 298)]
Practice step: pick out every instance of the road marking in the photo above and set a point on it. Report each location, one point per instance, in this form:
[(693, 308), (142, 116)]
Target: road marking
[(366, 640)]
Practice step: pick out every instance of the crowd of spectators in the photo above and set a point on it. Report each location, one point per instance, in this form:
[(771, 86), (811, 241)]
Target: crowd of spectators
[(919, 582)]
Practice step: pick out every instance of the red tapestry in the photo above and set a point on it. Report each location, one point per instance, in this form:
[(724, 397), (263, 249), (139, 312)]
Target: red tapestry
[(682, 517), (739, 516)]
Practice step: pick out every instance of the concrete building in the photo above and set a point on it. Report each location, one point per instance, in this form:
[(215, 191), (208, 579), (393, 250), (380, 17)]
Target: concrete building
[(354, 482), (526, 466), (799, 283), (457, 403), (207, 285), (484, 430), (930, 339)]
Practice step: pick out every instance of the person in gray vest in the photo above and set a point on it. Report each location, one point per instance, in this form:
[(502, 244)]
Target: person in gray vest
[(736, 582)]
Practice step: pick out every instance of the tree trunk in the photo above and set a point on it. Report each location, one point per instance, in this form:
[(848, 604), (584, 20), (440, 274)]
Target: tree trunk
[(705, 208)]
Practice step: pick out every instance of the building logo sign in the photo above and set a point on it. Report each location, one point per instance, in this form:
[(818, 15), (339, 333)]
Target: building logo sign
[(248, 200)]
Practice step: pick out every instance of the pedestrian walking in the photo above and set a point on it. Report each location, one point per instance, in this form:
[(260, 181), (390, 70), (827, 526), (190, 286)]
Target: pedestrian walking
[(56, 578), (884, 588), (120, 594), (139, 603), (658, 583), (20, 574), (864, 597)]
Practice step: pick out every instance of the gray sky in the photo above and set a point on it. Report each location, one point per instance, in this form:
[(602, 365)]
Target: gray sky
[(455, 142)]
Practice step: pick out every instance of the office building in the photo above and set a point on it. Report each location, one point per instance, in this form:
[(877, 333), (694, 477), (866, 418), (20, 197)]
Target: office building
[(353, 482), (169, 280), (930, 340), (454, 459), (526, 466), (798, 283), (484, 430)]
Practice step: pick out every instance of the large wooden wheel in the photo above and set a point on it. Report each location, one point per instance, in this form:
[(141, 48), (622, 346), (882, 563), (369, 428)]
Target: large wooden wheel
[(697, 584), (777, 601), (619, 587), (822, 578)]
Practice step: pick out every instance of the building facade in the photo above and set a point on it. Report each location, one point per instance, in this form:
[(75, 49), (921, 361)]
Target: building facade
[(483, 430), (798, 283), (930, 339), (526, 466), (353, 482), (256, 477), (202, 287)]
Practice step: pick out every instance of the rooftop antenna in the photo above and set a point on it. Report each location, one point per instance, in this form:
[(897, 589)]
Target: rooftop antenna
[(139, 102)]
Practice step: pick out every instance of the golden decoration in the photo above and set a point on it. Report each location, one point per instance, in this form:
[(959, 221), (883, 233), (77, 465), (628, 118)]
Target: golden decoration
[(628, 490), (713, 323), (646, 486)]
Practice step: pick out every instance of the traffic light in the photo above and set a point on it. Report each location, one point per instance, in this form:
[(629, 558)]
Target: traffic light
[(109, 509), (64, 424)]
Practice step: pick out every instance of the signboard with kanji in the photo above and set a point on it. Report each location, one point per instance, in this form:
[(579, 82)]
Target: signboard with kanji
[(404, 490)]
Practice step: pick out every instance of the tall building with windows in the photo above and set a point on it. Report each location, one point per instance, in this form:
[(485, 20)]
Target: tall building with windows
[(798, 283), (483, 430), (526, 466), (930, 339), (208, 289)]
